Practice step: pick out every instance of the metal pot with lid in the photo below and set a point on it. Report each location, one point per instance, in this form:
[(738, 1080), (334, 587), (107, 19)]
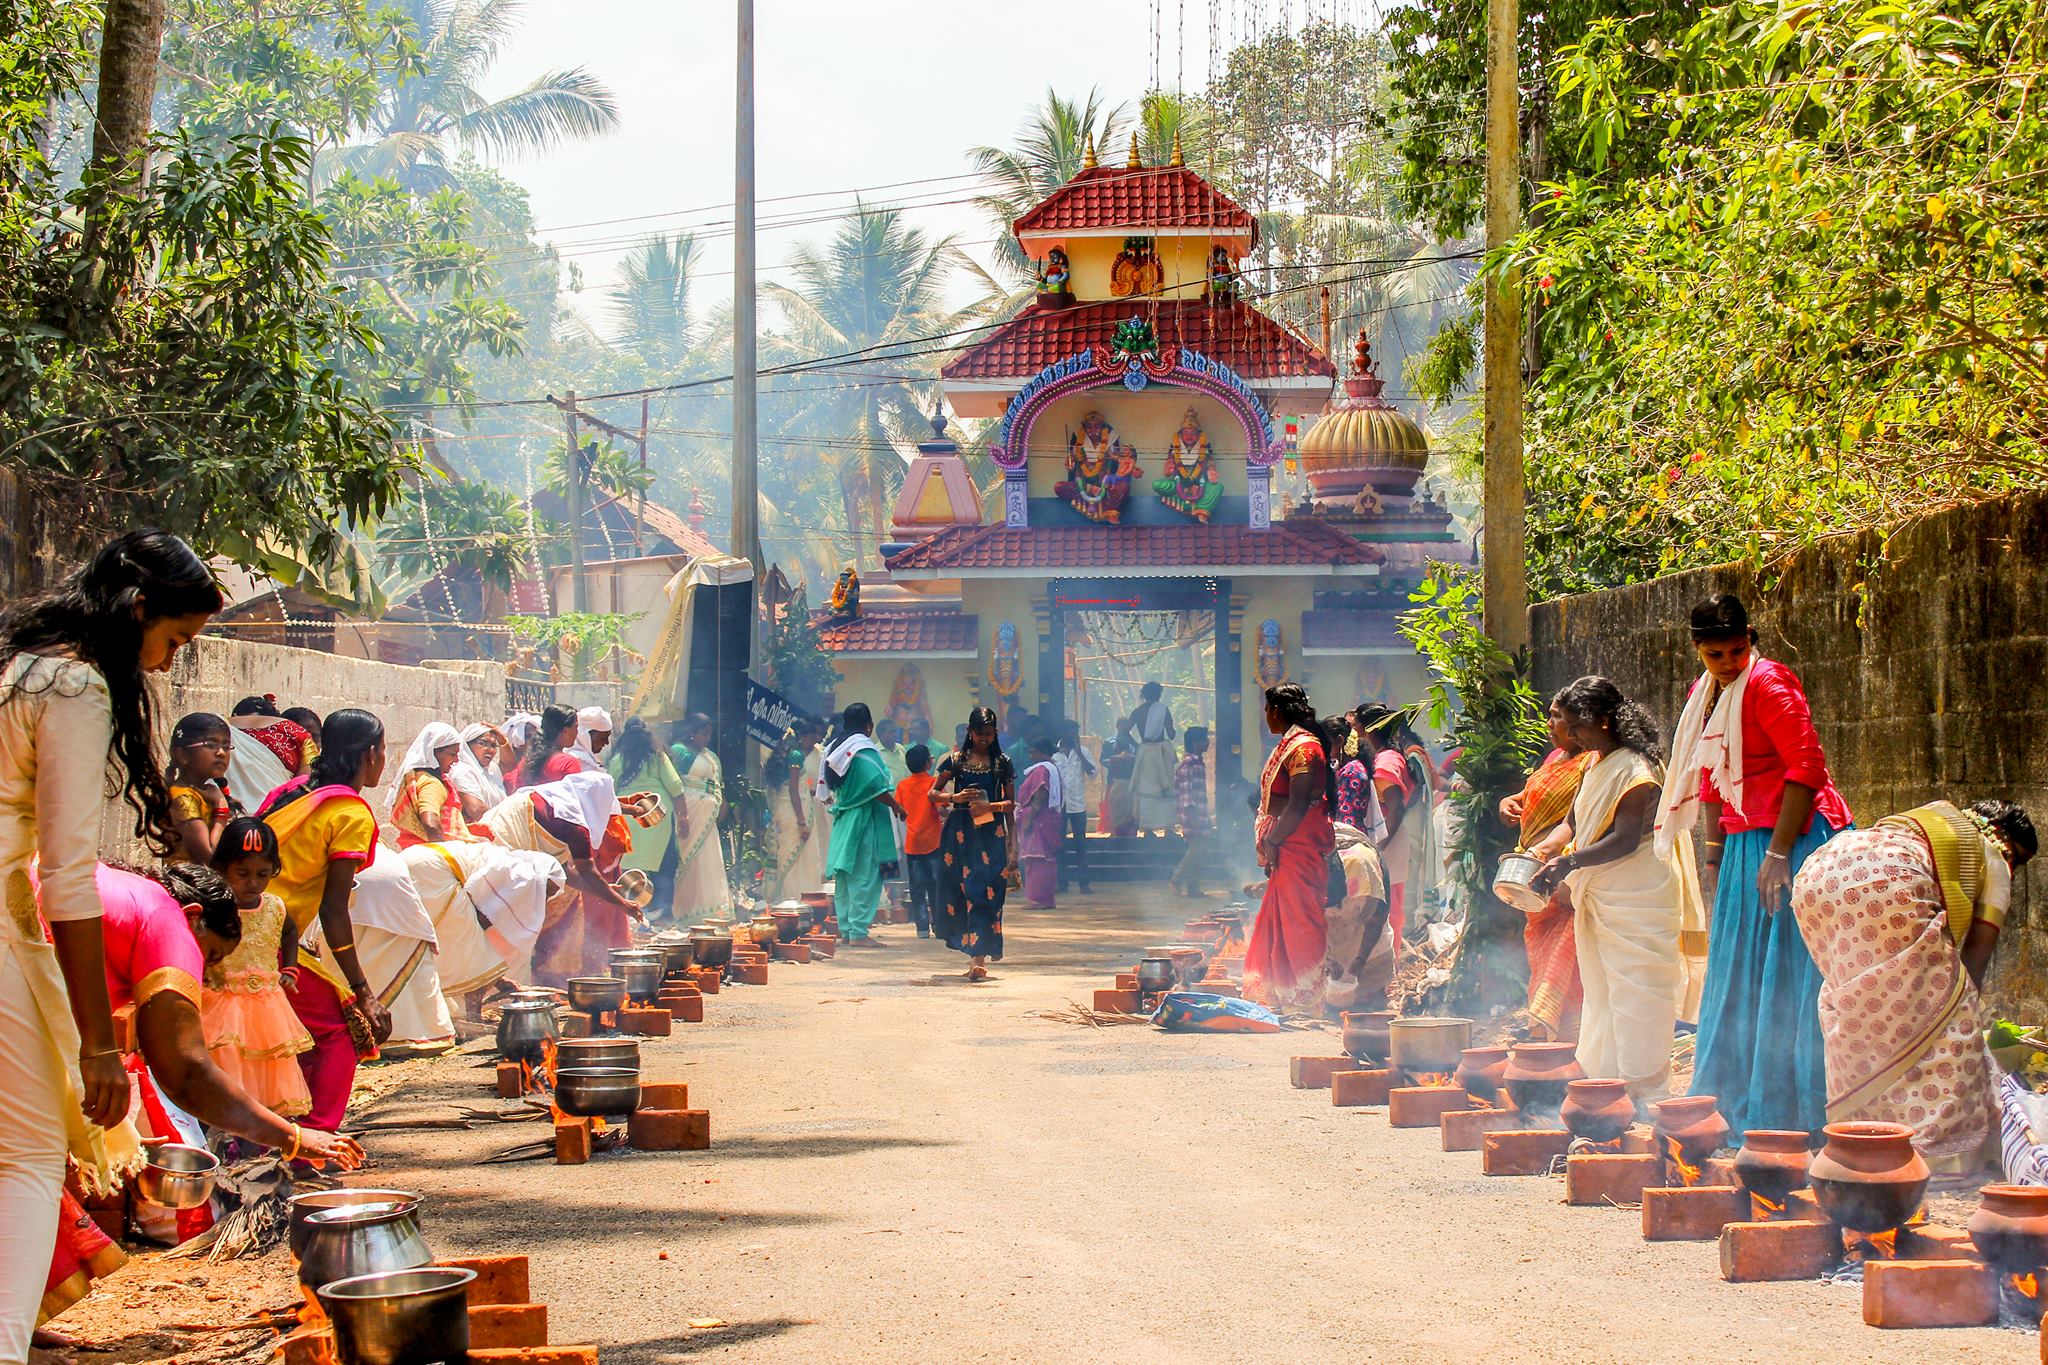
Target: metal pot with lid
[(359, 1239)]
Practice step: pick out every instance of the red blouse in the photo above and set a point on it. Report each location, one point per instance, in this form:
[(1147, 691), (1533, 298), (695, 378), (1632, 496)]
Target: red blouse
[(1779, 745)]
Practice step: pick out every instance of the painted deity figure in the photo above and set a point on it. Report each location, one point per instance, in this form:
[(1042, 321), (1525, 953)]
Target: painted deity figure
[(1191, 486), (1055, 273), (844, 603), (1006, 667), (1099, 471), (1222, 276), (1136, 273), (908, 706), (1272, 655)]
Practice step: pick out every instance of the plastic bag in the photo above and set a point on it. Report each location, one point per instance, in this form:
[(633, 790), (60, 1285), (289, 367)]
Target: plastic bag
[(1194, 1012)]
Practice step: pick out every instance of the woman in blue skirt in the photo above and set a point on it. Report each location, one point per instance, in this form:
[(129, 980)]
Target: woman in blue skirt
[(1760, 787)]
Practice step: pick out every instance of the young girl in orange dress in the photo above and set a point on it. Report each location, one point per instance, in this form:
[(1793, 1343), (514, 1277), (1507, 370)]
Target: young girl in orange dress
[(198, 780), (250, 1027)]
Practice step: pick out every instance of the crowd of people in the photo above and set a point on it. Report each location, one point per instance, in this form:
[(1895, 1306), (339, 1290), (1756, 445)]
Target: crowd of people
[(1836, 975)]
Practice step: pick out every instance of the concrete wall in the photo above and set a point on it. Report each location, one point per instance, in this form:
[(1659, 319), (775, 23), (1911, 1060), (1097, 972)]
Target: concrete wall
[(214, 673), (1925, 658)]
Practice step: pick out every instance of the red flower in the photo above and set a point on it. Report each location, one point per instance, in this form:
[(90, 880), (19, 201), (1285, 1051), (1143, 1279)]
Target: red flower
[(1545, 282), (1698, 457), (1671, 474)]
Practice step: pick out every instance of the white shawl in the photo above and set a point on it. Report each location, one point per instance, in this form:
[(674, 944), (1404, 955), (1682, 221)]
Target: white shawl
[(1709, 743), (470, 777), (841, 758)]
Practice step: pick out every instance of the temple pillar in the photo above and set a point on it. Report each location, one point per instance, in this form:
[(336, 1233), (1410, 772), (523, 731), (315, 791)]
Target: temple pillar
[(1259, 496), (1052, 661), (1016, 499), (1228, 742)]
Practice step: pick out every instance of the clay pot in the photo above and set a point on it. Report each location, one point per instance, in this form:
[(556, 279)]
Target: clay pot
[(1365, 1034), (1537, 1074), (1480, 1071), (1598, 1111), (1772, 1162), (2011, 1227), (789, 925), (1693, 1123), (1868, 1178)]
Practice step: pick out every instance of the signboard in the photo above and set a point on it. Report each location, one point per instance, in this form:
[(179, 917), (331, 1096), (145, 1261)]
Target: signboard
[(769, 715)]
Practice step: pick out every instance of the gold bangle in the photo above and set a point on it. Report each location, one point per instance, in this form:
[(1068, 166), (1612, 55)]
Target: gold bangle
[(298, 1141)]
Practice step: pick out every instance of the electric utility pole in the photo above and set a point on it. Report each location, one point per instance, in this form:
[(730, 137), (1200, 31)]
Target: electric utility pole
[(578, 591), (1507, 578), (746, 474)]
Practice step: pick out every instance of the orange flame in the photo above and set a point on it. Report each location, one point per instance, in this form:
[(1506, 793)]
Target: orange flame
[(1614, 1148), (1764, 1210), (1870, 1246), (1674, 1155), (2029, 1284), (1431, 1079)]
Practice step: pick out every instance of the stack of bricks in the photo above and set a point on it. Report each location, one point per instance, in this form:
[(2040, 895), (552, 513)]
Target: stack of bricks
[(821, 943), (682, 999), (749, 966), (797, 950), (505, 1326), (705, 978), (664, 1122), (1124, 998)]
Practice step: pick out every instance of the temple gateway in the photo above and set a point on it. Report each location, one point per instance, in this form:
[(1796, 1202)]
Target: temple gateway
[(1155, 520)]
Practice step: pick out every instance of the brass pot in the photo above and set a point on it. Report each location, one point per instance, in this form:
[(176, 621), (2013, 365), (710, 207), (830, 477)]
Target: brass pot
[(712, 946)]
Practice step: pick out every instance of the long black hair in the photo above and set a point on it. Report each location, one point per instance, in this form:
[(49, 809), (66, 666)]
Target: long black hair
[(1593, 699), (346, 738), (553, 722), (635, 745), (191, 884), (984, 718), (97, 615), (1290, 701)]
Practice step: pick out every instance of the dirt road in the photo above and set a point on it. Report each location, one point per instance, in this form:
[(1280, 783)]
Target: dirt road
[(911, 1169)]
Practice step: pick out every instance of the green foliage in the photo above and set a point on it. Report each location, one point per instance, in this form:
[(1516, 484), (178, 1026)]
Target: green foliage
[(1480, 699), (589, 638), (461, 529), (1048, 153), (1819, 307), (797, 665)]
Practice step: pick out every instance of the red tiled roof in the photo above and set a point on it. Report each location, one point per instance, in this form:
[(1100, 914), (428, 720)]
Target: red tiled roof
[(1120, 197), (1236, 334), (1161, 549), (901, 632)]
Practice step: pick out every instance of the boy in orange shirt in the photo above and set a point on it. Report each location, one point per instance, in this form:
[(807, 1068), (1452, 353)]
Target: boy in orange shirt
[(920, 835)]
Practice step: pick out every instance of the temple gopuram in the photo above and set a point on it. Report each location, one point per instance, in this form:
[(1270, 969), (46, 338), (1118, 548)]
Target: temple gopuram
[(1147, 470)]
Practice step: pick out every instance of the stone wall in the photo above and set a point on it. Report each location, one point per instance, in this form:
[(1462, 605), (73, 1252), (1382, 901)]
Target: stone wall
[(215, 672), (1925, 656)]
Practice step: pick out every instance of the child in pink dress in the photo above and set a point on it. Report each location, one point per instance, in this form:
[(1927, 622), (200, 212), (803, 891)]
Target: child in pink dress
[(251, 1028)]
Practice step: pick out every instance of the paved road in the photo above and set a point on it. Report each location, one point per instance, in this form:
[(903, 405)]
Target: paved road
[(907, 1168)]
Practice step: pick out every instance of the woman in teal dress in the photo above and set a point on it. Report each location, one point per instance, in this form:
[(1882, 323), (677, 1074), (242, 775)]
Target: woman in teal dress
[(976, 855), (863, 835)]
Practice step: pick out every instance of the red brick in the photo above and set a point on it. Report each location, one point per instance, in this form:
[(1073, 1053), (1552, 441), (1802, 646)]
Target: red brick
[(1933, 1242), (1719, 1170), (1421, 1106), (1638, 1141), (511, 1081), (824, 945), (657, 1130), (696, 1130), (648, 1023), (1313, 1073), (793, 952), (575, 1024), (1929, 1294), (688, 1008), (534, 1355), (499, 1279), (1801, 1205), (1792, 1249), (664, 1095), (1592, 1179), (572, 1142), (508, 1325), (1118, 1002), (751, 973), (1350, 1089), (708, 979), (1522, 1151), (1465, 1130), (1692, 1214), (1127, 981)]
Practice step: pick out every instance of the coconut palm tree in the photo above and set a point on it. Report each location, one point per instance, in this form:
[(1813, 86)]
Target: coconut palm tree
[(438, 109), (1047, 154), (651, 304), (875, 291)]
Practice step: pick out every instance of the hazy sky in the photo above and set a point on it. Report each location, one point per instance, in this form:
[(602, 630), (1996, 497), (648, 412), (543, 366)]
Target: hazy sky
[(848, 96)]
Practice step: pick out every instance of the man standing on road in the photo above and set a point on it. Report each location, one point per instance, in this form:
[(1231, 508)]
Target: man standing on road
[(1152, 725)]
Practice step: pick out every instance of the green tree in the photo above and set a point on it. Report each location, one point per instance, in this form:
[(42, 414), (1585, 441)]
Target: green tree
[(652, 314), (1047, 154), (466, 539)]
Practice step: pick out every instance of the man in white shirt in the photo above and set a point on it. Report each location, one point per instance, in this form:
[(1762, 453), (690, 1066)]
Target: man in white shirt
[(1075, 769)]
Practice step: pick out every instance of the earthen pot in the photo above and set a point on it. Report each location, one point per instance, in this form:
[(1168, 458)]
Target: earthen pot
[(1693, 1123), (822, 900), (1537, 1074), (1772, 1162), (1365, 1034), (789, 925), (2010, 1227), (1480, 1071), (1598, 1111), (1868, 1178)]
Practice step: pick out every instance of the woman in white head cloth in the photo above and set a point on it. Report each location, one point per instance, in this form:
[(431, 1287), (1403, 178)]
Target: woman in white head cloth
[(475, 773), (423, 808), (396, 946), (519, 730), (488, 904), (574, 821), (593, 733)]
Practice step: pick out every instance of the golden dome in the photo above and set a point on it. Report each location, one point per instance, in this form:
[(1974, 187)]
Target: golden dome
[(1365, 433)]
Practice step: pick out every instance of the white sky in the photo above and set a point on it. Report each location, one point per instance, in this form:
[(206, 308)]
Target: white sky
[(847, 96)]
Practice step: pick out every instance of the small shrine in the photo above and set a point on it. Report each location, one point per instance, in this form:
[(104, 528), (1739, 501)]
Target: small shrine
[(1147, 465)]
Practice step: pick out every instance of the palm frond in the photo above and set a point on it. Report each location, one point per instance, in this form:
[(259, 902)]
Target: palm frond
[(555, 107)]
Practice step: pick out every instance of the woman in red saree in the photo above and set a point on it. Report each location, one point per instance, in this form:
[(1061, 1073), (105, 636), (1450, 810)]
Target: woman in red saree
[(1283, 963), (1540, 809)]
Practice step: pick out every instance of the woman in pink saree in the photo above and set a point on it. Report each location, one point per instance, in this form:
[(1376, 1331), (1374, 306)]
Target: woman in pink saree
[(1283, 962), (1901, 919), (1039, 823)]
